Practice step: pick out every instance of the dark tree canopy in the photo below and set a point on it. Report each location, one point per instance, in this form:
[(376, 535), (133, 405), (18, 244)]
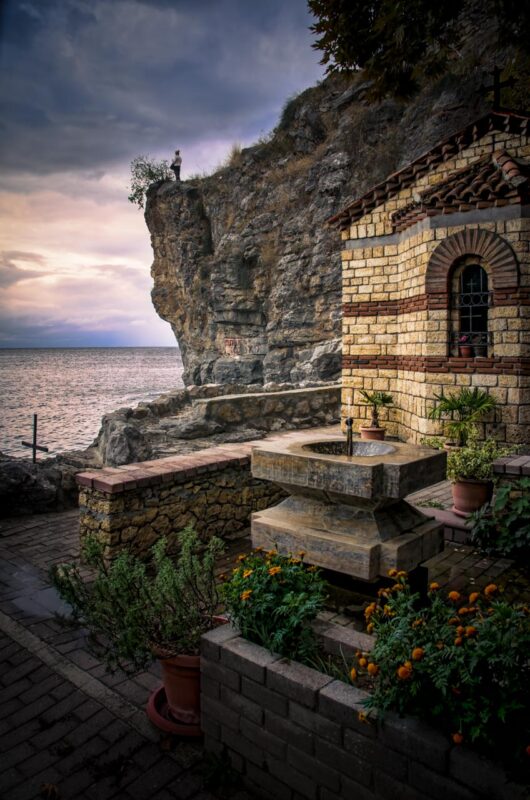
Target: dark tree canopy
[(400, 43)]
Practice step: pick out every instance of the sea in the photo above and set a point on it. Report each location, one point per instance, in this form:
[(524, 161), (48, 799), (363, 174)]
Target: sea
[(70, 390)]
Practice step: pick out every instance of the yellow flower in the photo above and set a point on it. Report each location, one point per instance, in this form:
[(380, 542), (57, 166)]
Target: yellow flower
[(274, 570), (353, 674), (392, 573), (372, 669), (433, 587), (401, 574), (361, 716), (247, 573), (417, 623), (294, 561), (301, 553), (370, 628), (246, 594), (241, 557), (258, 549), (312, 569), (271, 553), (362, 662)]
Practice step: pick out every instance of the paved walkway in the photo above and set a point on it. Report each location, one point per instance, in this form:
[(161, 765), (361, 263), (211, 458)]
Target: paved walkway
[(71, 731)]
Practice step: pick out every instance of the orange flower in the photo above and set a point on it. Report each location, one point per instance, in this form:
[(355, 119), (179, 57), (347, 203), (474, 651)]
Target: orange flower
[(463, 611), (247, 573), (417, 654), (460, 630), (397, 587), (370, 628), (404, 673), (471, 631), (363, 662), (454, 596), (382, 593), (401, 574), (271, 553), (372, 669), (241, 557), (457, 738), (392, 573), (433, 587), (417, 623), (312, 569), (408, 664), (473, 597), (440, 645), (274, 570), (246, 594), (458, 641), (369, 610), (490, 589), (361, 716), (353, 674), (301, 553)]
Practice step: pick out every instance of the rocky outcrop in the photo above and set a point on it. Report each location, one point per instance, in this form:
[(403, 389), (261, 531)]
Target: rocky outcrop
[(245, 268), (27, 488)]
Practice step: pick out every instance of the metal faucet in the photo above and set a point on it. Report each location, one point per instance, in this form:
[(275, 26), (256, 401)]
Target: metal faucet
[(349, 436)]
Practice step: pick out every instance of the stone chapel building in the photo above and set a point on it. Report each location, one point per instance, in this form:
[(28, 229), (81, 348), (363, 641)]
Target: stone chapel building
[(436, 280)]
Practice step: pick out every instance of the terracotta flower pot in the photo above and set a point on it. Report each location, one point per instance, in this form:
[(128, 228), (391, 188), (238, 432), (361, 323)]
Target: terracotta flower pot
[(469, 496), (182, 684), (372, 433), (465, 351)]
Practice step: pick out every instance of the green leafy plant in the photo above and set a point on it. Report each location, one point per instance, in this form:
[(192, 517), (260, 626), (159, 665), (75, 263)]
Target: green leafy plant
[(461, 411), (377, 400), (475, 460), (134, 611), (460, 661), (273, 600), (503, 526), (144, 172)]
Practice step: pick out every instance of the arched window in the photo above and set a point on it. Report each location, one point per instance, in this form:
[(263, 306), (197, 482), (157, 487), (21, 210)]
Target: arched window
[(471, 301)]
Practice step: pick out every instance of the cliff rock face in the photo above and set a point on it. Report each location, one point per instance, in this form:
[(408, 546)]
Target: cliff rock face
[(245, 268)]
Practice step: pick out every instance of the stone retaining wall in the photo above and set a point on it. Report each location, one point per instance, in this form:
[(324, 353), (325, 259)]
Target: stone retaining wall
[(137, 504), (292, 733)]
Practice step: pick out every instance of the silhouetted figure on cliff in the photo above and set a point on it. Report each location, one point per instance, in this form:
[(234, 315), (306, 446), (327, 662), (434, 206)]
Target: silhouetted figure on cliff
[(175, 165)]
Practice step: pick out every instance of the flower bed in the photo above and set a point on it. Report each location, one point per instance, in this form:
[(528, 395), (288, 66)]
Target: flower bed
[(292, 731)]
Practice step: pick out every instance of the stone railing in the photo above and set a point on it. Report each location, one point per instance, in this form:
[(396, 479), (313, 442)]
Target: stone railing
[(137, 504), (293, 732)]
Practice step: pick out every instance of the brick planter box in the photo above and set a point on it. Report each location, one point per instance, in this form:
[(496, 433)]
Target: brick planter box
[(293, 732)]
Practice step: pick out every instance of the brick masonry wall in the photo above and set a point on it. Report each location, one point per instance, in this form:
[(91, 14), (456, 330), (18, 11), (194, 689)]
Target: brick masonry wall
[(293, 733), (137, 504), (395, 332)]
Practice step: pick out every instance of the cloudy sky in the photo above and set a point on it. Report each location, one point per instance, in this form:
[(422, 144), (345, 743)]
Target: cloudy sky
[(85, 86)]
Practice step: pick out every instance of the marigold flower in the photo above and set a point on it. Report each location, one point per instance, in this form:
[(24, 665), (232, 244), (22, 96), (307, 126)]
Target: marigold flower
[(458, 641), (417, 623), (453, 621), (457, 738), (241, 557), (353, 674), (440, 645), (369, 610), (246, 594), (401, 574), (382, 593), (471, 631), (460, 630), (301, 553), (271, 553), (247, 573), (274, 570), (361, 716), (370, 628), (372, 669), (490, 589), (294, 561), (408, 664), (418, 653), (454, 596), (397, 587), (433, 587), (404, 673), (463, 611), (312, 569), (473, 597), (363, 662), (258, 549), (392, 572)]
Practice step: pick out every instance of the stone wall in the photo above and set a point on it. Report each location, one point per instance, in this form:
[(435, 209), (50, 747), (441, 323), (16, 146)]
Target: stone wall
[(293, 732), (397, 316), (135, 505)]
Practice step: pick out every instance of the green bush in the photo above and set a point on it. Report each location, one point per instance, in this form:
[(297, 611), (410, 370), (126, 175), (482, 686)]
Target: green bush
[(461, 662), (132, 609), (503, 526), (273, 600), (475, 460), (144, 172)]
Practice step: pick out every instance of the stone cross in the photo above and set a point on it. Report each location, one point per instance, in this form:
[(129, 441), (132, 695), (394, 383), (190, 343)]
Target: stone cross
[(34, 446)]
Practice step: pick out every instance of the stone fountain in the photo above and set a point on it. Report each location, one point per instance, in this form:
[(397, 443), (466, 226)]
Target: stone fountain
[(347, 512)]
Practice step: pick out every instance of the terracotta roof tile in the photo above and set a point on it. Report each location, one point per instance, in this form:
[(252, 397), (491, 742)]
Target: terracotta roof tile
[(494, 180), (509, 121)]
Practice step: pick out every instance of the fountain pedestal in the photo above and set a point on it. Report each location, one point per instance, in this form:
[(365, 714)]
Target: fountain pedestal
[(347, 512)]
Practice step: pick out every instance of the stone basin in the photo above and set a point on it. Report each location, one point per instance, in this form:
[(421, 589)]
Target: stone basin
[(348, 512)]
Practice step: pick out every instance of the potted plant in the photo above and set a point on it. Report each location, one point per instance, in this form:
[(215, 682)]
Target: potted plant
[(462, 410), (136, 612), (470, 468), (465, 348), (480, 345), (377, 400)]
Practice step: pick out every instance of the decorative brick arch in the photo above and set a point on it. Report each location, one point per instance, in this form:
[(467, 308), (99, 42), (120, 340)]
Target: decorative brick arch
[(495, 251)]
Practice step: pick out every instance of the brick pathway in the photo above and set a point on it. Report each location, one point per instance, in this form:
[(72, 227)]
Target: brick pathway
[(69, 729)]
